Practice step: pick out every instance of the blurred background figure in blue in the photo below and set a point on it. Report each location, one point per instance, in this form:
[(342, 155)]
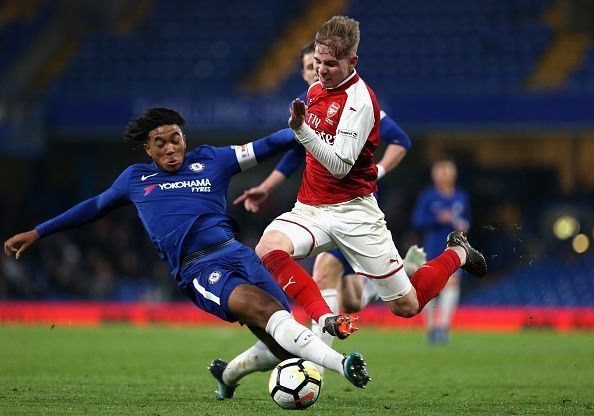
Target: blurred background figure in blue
[(439, 210)]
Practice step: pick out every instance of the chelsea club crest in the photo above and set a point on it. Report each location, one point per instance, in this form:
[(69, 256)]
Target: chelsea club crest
[(214, 277), (197, 167)]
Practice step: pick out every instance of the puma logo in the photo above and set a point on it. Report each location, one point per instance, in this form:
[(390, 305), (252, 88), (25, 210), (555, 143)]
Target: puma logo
[(290, 282)]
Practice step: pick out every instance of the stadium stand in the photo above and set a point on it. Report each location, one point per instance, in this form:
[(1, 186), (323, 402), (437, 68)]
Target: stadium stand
[(582, 81), (480, 53), (185, 50), (18, 28), (551, 282), (461, 47)]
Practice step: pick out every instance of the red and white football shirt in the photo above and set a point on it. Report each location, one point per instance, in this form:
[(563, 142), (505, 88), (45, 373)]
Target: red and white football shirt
[(349, 113)]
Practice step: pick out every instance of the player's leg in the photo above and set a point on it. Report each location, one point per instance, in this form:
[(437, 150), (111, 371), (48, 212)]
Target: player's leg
[(364, 239), (429, 316), (447, 303), (327, 271), (259, 357), (356, 291), (294, 235), (264, 355), (432, 277), (243, 290), (352, 287), (281, 337)]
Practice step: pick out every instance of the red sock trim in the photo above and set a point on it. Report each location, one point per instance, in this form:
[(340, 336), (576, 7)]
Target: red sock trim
[(296, 283)]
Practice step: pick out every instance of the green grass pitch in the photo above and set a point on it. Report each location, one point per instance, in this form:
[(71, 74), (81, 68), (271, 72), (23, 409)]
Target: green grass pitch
[(124, 370)]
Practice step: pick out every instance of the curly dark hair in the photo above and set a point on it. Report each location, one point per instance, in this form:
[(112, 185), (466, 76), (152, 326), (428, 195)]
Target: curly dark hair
[(137, 131)]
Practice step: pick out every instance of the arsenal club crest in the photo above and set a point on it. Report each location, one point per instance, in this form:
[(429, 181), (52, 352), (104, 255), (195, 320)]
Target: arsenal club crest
[(332, 109)]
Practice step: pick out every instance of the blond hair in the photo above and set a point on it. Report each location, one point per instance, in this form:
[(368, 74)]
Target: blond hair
[(341, 34)]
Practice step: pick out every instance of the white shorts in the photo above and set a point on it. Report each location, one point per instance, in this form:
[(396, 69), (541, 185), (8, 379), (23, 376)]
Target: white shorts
[(358, 229)]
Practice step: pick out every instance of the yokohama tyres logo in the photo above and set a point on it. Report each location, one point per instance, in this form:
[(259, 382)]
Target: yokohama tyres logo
[(196, 185)]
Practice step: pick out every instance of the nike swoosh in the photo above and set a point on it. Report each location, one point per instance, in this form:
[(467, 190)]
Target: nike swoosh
[(145, 177), (301, 333), (291, 282)]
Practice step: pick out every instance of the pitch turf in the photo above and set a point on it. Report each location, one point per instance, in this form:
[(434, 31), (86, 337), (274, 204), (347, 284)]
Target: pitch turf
[(162, 371)]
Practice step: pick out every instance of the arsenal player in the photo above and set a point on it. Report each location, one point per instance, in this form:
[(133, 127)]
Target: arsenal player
[(335, 206)]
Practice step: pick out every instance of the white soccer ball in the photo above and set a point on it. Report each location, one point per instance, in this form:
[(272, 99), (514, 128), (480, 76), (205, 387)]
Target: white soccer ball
[(295, 384)]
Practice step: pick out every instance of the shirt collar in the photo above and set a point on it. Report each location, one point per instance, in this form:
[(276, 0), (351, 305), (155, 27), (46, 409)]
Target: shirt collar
[(352, 77)]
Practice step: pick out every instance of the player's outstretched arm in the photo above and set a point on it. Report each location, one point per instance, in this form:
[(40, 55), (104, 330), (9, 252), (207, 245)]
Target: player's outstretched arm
[(19, 243), (254, 197), (392, 157), (398, 144), (251, 153), (79, 214)]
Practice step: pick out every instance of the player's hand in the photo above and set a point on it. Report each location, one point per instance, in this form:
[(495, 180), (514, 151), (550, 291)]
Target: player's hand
[(298, 111), (20, 242), (252, 198), (445, 216)]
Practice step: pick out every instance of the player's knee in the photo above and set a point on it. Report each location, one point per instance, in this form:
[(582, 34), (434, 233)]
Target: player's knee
[(271, 241), (260, 313), (351, 305), (405, 307), (252, 305), (327, 271), (265, 246)]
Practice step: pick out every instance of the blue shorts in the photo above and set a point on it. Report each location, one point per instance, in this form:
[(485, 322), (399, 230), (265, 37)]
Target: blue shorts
[(340, 257), (209, 280)]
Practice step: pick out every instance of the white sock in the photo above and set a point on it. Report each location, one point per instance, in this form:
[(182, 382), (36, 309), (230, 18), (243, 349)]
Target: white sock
[(369, 293), (301, 342), (331, 298), (448, 301), (429, 313), (256, 358), (460, 252)]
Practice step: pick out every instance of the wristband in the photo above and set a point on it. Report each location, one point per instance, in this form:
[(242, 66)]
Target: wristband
[(381, 171)]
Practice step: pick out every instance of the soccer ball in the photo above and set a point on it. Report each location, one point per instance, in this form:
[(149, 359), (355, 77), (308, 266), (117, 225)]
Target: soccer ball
[(295, 384)]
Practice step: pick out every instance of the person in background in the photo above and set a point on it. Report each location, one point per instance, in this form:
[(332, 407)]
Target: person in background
[(441, 209)]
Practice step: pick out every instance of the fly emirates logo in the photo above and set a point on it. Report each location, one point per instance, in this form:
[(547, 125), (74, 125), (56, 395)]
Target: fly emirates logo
[(314, 122)]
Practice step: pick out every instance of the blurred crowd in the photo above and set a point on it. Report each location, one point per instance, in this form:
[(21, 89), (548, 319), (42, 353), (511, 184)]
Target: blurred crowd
[(111, 259)]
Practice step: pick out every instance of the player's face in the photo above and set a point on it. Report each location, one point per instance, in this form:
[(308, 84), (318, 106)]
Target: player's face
[(166, 145), (444, 173), (331, 71), (308, 71)]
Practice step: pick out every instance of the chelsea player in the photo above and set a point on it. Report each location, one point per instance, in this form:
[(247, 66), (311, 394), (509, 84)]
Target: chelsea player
[(181, 201), (439, 210)]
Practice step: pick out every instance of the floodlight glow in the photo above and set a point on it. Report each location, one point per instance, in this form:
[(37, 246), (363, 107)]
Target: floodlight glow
[(580, 243), (565, 227)]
